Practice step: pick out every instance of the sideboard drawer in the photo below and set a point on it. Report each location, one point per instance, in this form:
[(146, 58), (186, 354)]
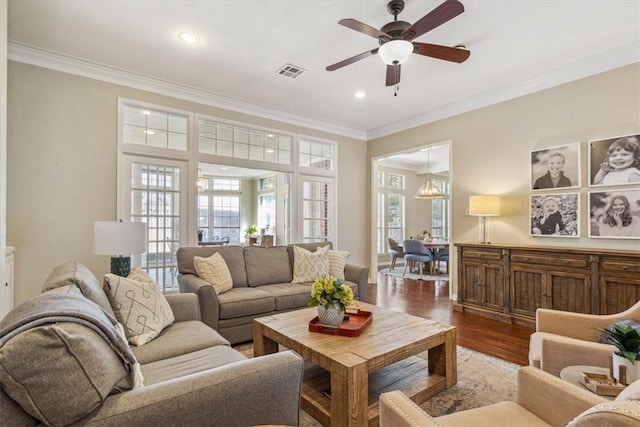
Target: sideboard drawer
[(620, 266), (484, 255), (550, 260)]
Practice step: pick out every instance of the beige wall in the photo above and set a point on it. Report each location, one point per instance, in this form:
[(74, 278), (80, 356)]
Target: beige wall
[(62, 135), (490, 150)]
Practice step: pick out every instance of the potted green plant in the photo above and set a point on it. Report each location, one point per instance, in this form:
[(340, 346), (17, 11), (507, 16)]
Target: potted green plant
[(627, 340), (252, 229), (331, 296)]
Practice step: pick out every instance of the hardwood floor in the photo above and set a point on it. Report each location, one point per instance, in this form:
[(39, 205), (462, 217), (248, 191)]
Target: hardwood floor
[(430, 299)]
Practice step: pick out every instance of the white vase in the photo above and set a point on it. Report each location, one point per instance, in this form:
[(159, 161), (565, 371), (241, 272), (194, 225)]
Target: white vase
[(633, 369), (331, 317)]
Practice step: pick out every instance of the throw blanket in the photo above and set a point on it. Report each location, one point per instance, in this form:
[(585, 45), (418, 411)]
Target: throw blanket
[(51, 307)]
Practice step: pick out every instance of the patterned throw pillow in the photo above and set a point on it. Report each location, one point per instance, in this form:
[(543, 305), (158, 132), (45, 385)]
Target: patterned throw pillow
[(308, 266), (337, 261), (215, 271), (139, 305)]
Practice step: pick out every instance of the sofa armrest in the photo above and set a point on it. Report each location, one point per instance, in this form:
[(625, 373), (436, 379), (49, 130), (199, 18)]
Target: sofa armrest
[(207, 297), (262, 390), (558, 352), (574, 325), (397, 410), (552, 399), (184, 306), (360, 275)]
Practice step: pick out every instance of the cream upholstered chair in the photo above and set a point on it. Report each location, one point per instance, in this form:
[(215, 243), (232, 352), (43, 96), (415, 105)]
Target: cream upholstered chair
[(542, 400), (563, 338)]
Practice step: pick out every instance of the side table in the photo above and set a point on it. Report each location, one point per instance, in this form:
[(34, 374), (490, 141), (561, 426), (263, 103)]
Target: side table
[(571, 374)]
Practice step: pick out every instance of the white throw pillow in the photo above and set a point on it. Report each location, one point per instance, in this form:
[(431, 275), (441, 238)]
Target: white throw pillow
[(138, 305), (214, 270), (337, 261), (308, 266)]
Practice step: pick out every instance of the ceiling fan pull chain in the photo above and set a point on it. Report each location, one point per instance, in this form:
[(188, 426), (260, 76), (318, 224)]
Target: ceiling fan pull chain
[(395, 93)]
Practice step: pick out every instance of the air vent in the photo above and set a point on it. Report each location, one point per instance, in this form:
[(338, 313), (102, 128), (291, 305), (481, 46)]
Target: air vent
[(291, 71)]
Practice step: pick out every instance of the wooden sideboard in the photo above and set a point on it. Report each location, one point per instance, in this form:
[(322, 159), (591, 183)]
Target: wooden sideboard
[(510, 282)]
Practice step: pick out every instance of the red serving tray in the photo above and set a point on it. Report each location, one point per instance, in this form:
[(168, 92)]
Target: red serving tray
[(351, 327)]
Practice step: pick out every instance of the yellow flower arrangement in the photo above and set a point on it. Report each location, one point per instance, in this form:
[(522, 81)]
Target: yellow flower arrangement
[(327, 290)]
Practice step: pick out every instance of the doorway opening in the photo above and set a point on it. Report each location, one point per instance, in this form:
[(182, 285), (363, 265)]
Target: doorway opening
[(399, 214)]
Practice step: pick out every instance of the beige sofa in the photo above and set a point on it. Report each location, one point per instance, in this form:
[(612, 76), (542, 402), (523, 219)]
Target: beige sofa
[(563, 338), (542, 400), (65, 373), (261, 285)]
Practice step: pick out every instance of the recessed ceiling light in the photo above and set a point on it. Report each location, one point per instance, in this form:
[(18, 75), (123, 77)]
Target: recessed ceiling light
[(360, 94), (224, 168), (189, 38), (149, 132), (270, 150), (146, 112)]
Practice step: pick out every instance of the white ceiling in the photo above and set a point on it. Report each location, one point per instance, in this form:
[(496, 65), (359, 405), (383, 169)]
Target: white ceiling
[(516, 47)]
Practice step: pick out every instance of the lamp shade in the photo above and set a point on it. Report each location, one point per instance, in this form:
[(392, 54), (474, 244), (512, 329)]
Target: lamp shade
[(484, 205), (395, 51), (119, 238)]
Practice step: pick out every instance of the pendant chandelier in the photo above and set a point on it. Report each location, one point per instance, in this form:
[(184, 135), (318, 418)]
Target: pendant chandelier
[(429, 190)]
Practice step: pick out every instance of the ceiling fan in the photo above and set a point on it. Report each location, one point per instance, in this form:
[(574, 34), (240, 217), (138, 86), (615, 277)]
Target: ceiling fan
[(396, 38)]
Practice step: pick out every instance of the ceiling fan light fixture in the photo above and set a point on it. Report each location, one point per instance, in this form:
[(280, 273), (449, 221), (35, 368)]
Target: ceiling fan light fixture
[(395, 52)]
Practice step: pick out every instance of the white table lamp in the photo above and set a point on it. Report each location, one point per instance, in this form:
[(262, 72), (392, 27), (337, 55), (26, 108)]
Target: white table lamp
[(120, 240), (484, 206)]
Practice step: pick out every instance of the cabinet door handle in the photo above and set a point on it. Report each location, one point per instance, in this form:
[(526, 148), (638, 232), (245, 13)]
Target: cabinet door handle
[(526, 258), (625, 267)]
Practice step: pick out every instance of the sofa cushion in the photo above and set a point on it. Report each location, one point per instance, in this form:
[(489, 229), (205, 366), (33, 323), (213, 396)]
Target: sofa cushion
[(214, 270), (74, 273), (337, 261), (139, 305), (266, 266), (233, 256), (509, 413), (289, 295), (60, 372), (308, 266), (239, 302), (190, 363), (177, 339)]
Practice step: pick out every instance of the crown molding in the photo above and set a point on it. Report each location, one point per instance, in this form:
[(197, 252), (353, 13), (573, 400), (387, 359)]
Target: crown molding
[(626, 54), (32, 55)]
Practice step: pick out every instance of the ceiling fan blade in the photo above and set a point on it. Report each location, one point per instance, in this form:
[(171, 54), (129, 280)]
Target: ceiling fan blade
[(362, 28), (438, 16), (352, 60), (453, 54), (393, 75)]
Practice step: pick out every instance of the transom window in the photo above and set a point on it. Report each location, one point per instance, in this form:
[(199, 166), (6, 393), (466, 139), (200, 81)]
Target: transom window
[(229, 140), (152, 128), (316, 154)]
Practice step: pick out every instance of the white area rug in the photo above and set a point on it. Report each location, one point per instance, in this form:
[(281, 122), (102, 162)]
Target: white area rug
[(397, 272), (482, 380)]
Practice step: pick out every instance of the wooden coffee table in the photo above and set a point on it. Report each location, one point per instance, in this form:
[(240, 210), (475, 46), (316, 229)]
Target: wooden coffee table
[(344, 376)]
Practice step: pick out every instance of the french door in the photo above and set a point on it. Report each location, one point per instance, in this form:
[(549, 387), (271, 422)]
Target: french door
[(154, 193)]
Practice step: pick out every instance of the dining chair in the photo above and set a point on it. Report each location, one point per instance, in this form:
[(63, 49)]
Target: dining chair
[(414, 251), (395, 252), (441, 255)]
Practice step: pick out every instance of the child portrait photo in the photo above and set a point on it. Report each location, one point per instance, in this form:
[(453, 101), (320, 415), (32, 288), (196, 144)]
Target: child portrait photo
[(556, 167), (555, 215), (614, 214), (615, 161)]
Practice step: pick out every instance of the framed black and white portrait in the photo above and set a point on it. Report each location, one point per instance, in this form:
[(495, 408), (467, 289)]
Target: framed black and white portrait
[(556, 167), (615, 161), (614, 214), (555, 215)]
